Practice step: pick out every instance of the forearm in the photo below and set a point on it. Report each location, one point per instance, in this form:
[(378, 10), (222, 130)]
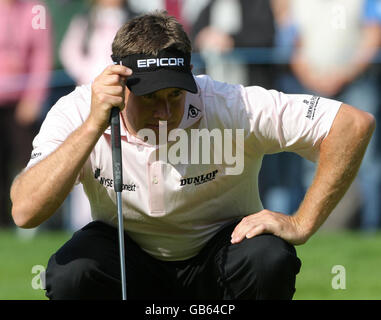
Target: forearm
[(340, 158), (39, 191)]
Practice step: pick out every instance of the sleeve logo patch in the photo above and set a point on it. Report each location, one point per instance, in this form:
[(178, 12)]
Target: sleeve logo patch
[(36, 155), (312, 104)]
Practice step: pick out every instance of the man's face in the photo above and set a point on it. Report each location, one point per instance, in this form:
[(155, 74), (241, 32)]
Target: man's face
[(145, 112)]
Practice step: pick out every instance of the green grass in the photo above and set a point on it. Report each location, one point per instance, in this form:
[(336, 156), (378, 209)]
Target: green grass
[(358, 253), (18, 255)]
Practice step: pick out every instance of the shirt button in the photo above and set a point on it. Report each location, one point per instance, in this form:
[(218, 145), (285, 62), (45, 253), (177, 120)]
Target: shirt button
[(155, 180)]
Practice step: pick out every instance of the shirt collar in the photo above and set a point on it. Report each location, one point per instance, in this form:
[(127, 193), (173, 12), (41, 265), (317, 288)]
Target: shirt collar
[(193, 112)]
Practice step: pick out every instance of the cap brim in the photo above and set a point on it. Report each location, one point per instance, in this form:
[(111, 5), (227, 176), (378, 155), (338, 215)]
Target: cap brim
[(148, 82)]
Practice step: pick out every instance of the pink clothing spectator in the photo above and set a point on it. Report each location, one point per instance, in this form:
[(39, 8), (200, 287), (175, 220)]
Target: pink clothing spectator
[(25, 63), (25, 52), (175, 8), (84, 65)]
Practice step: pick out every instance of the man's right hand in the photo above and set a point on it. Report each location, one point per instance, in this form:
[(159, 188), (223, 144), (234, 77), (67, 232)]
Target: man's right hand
[(107, 91)]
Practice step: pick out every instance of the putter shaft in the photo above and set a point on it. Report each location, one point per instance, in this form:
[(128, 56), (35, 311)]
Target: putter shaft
[(121, 246), (118, 182)]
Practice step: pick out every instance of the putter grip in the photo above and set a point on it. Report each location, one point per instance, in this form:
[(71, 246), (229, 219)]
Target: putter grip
[(116, 149)]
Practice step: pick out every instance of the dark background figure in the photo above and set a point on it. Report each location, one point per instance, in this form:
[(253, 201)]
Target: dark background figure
[(25, 64), (225, 25)]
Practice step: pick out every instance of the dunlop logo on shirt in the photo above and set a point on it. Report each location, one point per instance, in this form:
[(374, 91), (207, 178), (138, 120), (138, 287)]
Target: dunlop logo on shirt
[(199, 179)]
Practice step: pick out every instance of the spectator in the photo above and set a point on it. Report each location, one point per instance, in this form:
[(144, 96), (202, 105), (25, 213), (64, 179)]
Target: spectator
[(25, 63), (62, 12), (86, 47), (227, 24), (185, 11), (337, 41)]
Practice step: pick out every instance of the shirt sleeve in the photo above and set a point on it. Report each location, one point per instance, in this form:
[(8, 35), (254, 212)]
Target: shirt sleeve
[(277, 122), (63, 118)]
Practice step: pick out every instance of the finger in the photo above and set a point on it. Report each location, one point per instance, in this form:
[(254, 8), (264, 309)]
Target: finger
[(114, 79), (252, 232), (116, 90), (111, 79), (257, 230), (117, 69), (240, 231), (111, 100), (249, 223)]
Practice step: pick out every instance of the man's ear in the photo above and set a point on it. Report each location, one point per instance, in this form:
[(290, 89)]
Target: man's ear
[(127, 93), (191, 66), (126, 90)]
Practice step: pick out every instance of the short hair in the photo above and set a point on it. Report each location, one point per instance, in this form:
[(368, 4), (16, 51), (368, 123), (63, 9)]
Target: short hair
[(149, 34)]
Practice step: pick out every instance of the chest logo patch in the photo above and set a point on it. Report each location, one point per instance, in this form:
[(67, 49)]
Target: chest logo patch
[(199, 179), (193, 112)]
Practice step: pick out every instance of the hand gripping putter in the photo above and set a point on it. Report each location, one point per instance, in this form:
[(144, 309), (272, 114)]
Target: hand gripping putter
[(116, 146)]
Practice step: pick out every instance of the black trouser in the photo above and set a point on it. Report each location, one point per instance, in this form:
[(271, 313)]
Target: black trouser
[(88, 267)]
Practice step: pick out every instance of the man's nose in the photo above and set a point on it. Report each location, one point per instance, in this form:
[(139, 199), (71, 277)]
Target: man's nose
[(163, 111)]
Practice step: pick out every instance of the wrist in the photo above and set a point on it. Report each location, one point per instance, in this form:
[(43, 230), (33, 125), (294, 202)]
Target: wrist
[(303, 226), (93, 127)]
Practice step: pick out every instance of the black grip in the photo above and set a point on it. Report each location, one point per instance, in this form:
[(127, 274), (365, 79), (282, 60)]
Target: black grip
[(116, 149)]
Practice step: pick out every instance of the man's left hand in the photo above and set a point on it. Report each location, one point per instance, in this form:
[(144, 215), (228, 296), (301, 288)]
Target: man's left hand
[(266, 221)]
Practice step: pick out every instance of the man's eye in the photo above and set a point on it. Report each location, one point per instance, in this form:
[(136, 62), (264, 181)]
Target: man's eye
[(176, 93), (149, 96)]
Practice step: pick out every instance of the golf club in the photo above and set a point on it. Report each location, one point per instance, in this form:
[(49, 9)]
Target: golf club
[(118, 182)]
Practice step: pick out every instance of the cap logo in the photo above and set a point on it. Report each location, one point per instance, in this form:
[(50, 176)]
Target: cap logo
[(162, 62), (169, 68)]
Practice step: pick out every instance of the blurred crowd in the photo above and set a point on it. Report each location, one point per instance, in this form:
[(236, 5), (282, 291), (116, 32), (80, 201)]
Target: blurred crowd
[(328, 48)]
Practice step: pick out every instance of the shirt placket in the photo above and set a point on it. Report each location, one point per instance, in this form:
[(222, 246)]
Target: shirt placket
[(155, 186)]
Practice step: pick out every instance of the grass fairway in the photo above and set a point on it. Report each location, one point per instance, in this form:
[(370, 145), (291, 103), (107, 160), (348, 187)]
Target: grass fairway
[(358, 253), (18, 255)]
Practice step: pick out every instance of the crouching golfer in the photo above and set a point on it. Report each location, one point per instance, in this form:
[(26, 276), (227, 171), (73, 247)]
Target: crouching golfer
[(194, 224)]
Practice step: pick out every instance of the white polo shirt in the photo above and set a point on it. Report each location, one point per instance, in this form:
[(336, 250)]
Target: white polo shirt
[(172, 209)]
